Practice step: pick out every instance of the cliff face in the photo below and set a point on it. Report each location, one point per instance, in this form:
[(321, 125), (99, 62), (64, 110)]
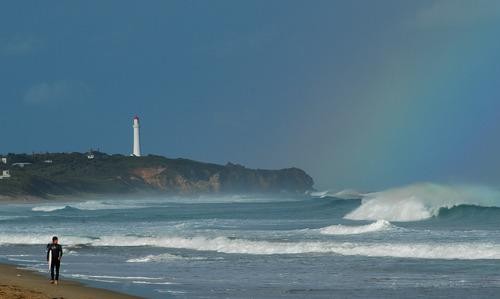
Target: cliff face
[(229, 178), (105, 174)]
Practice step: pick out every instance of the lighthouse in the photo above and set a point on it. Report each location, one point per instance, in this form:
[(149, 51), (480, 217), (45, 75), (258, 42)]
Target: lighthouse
[(137, 140)]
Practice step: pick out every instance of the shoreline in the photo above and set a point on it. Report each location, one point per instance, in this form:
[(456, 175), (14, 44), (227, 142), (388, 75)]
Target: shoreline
[(16, 282)]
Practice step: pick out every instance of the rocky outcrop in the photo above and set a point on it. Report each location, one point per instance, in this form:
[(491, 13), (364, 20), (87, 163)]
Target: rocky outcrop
[(150, 176), (74, 173), (231, 178)]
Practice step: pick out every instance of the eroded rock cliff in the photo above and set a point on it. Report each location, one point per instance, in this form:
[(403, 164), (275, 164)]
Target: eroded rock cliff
[(75, 173)]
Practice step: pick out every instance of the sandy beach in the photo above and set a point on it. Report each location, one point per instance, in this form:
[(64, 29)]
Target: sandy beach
[(25, 284)]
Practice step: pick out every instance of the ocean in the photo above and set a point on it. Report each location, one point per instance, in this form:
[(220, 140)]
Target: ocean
[(418, 241)]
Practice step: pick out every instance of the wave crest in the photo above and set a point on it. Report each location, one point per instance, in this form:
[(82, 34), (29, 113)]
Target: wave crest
[(165, 257), (431, 250), (90, 205), (339, 229), (421, 201), (344, 194), (47, 208)]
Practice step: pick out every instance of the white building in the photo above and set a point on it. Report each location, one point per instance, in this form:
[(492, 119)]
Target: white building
[(5, 175), (137, 141), (4, 160)]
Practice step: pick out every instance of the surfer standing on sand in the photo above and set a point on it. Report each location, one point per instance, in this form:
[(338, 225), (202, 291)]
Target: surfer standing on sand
[(54, 255)]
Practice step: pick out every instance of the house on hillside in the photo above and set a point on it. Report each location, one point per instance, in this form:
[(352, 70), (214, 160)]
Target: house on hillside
[(5, 174)]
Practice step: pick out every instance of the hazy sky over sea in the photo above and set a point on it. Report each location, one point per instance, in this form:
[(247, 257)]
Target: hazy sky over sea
[(360, 94)]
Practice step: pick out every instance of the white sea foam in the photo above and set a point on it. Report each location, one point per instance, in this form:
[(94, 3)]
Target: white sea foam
[(112, 204), (121, 279), (421, 201), (23, 260), (155, 258), (151, 282), (86, 276), (18, 255), (320, 194), (431, 250), (47, 208), (166, 257), (242, 246), (109, 205), (348, 194), (344, 194), (32, 239), (89, 205), (170, 291), (234, 198), (380, 225)]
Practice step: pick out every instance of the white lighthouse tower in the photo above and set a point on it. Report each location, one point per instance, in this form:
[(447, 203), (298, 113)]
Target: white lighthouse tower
[(137, 139)]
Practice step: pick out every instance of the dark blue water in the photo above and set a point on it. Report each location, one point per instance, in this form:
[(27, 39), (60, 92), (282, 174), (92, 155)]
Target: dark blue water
[(258, 247)]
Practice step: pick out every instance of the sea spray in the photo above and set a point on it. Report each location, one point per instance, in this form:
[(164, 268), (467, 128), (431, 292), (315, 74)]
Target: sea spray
[(421, 201), (339, 229), (430, 250)]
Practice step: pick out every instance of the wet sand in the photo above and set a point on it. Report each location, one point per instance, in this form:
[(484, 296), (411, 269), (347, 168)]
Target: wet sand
[(26, 284)]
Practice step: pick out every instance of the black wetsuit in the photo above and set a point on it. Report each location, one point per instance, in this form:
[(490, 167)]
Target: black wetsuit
[(57, 253)]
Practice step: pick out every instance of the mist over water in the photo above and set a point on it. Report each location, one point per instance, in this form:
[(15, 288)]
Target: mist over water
[(258, 246), (421, 201)]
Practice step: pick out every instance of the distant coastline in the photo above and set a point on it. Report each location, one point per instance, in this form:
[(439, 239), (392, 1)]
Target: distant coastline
[(53, 175)]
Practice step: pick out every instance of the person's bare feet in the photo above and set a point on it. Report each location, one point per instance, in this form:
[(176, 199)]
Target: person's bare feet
[(56, 282), (51, 281)]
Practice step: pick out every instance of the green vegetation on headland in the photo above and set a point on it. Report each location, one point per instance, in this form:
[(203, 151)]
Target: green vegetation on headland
[(74, 174)]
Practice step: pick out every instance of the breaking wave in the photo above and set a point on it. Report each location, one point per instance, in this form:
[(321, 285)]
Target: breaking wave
[(47, 208), (166, 257), (432, 250), (421, 201), (380, 225), (162, 258), (40, 239), (114, 204), (344, 194), (90, 205), (155, 258), (242, 246)]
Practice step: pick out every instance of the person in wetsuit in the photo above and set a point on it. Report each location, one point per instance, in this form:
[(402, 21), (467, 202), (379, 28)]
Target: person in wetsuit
[(57, 253)]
